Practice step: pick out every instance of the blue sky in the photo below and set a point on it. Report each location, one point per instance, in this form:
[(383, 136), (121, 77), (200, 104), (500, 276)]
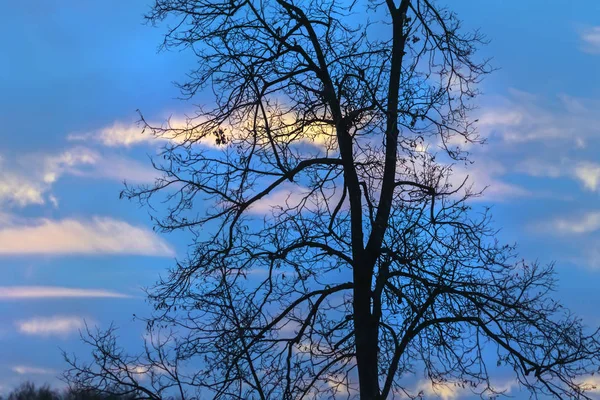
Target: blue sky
[(73, 72)]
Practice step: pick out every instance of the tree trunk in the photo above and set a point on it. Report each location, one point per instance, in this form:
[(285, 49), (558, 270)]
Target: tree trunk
[(366, 334)]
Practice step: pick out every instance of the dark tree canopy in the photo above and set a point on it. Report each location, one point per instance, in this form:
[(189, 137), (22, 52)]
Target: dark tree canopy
[(334, 254), (28, 391)]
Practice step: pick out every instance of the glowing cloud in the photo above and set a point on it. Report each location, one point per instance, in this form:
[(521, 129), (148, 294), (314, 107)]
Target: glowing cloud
[(70, 236), (54, 292)]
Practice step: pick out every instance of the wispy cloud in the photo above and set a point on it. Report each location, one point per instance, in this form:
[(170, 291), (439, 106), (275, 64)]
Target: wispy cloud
[(27, 370), (99, 235), (590, 38), (82, 161), (122, 134), (28, 179), (290, 196), (578, 224), (51, 326), (54, 166), (523, 117), (55, 292), (485, 175), (118, 134), (587, 173), (18, 190)]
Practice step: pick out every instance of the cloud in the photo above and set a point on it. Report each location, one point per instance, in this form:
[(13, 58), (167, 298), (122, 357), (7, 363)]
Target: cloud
[(121, 134), (25, 370), (586, 223), (444, 392), (591, 40), (179, 129), (18, 190), (523, 117), (288, 196), (56, 165), (291, 196), (51, 326), (451, 391), (484, 175), (28, 179), (55, 292), (99, 235), (84, 162), (587, 173), (123, 169), (591, 384)]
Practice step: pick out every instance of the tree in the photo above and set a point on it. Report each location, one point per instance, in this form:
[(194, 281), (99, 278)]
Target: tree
[(28, 391), (333, 250)]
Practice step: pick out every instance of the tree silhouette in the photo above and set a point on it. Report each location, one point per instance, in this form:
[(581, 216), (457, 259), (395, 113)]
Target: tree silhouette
[(333, 252), (28, 391)]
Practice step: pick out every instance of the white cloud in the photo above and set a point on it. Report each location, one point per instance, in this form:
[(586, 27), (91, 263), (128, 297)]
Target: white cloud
[(586, 223), (54, 292), (123, 169), (18, 190), (444, 392), (586, 173), (589, 174), (522, 117), (591, 40), (539, 168), (56, 165), (26, 370), (70, 236), (290, 196), (28, 179), (121, 134), (484, 175), (179, 129), (51, 326), (83, 162)]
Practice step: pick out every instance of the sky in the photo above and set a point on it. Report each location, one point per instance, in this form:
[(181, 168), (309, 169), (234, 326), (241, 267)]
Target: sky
[(74, 72)]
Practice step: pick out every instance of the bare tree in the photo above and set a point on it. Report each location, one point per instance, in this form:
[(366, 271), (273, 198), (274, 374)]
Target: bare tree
[(334, 253)]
